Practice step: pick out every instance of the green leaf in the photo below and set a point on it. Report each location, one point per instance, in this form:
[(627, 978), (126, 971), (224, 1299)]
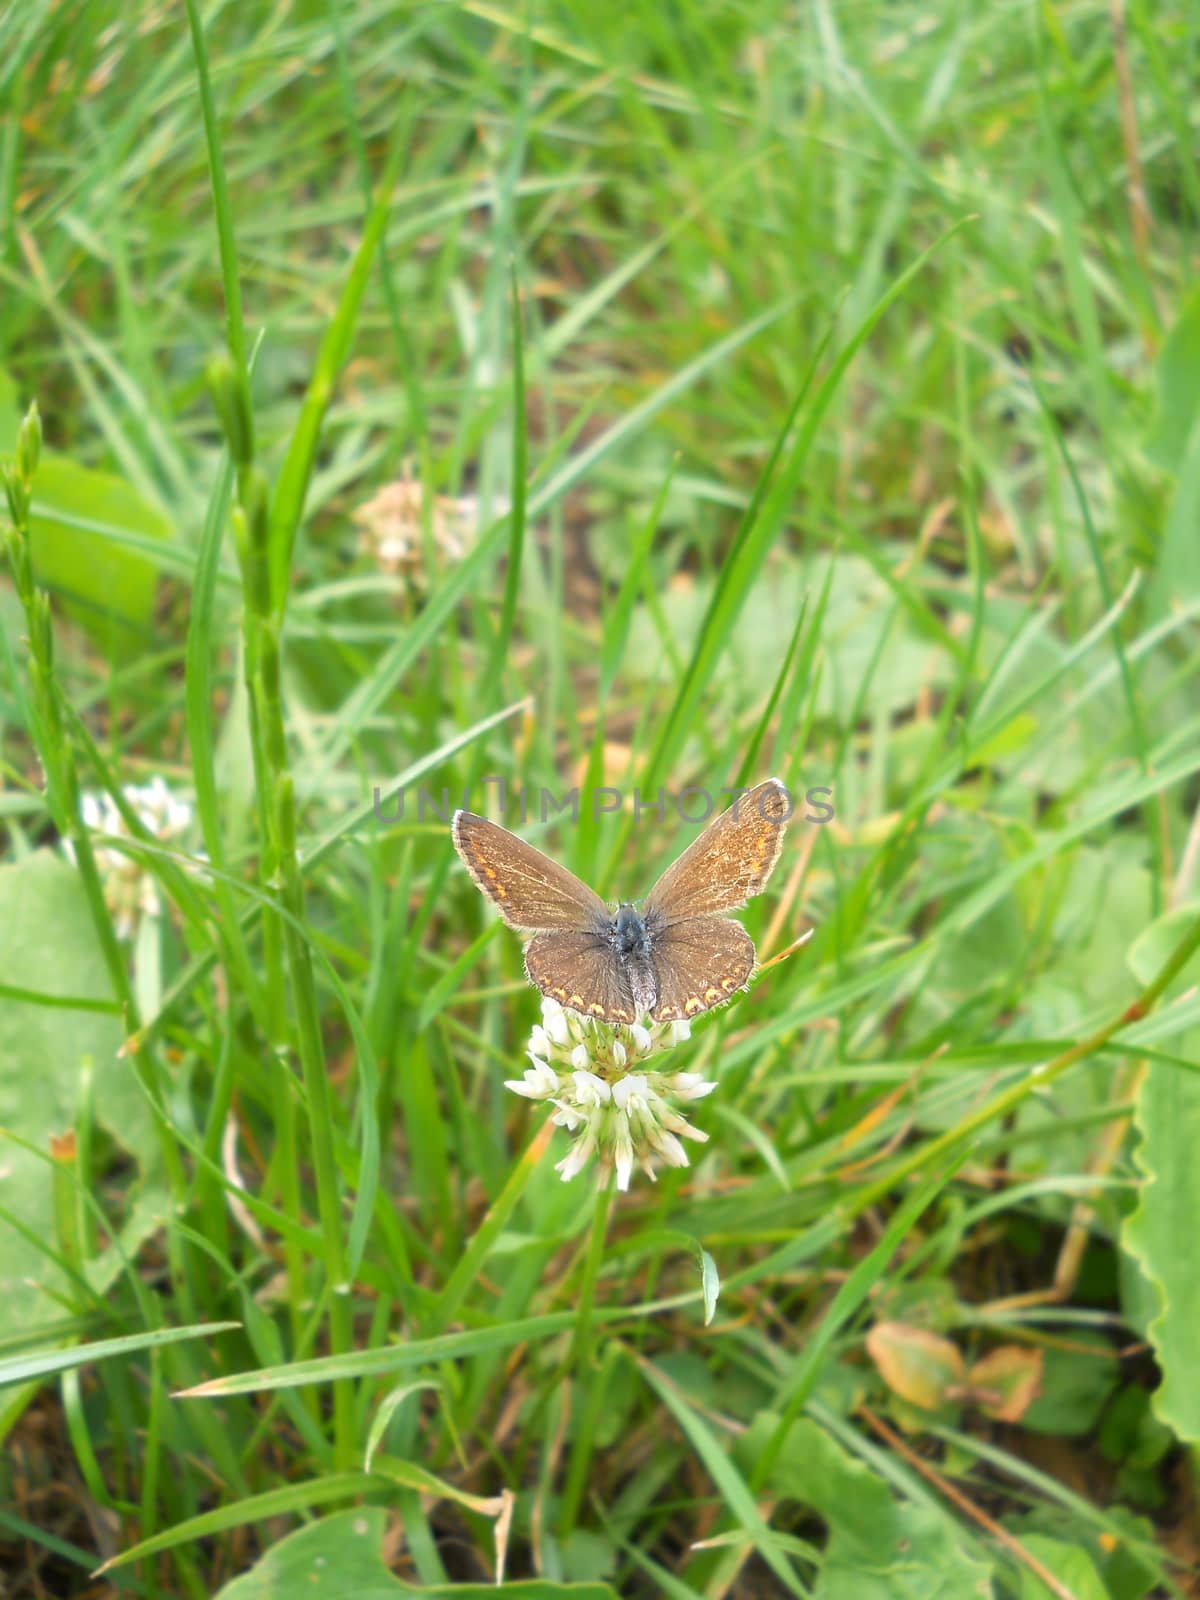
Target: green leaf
[(78, 518), (1076, 1383), (1160, 1233), (85, 528), (730, 1483), (1151, 950), (1069, 1563), (588, 1556), (19, 1369), (1117, 1550), (90, 532), (1178, 392), (387, 1410), (341, 1555), (48, 948), (415, 1352), (1174, 445), (1130, 1432), (10, 414), (879, 1548)]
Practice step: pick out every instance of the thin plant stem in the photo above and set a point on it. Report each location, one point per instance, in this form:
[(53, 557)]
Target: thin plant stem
[(581, 1356)]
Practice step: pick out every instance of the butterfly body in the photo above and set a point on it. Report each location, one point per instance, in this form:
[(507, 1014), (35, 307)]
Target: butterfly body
[(670, 959), (633, 947)]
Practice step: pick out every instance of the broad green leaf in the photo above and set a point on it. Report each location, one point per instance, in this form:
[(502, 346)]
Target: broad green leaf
[(1117, 1551), (1076, 1383), (342, 1555), (78, 517), (1069, 1563), (588, 1556), (85, 528), (1129, 1431), (1160, 1233), (879, 1548), (48, 947)]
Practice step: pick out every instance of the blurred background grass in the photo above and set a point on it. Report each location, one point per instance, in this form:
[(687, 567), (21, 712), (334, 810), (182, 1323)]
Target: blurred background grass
[(853, 438)]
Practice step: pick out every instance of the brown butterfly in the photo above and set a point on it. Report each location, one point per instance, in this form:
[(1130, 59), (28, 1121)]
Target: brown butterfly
[(676, 957)]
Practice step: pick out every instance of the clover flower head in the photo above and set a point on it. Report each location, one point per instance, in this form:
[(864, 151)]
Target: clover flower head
[(603, 1089)]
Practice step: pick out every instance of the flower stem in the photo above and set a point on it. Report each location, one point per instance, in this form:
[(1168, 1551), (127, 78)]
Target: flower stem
[(580, 1358)]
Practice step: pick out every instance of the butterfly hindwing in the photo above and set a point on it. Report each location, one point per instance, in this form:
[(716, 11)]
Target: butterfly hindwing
[(530, 891), (580, 972), (700, 964), (729, 863)]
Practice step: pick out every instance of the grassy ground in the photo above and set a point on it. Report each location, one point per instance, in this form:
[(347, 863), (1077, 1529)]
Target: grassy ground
[(806, 390)]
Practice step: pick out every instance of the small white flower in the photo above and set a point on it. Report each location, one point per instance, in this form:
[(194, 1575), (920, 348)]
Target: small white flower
[(623, 1156), (669, 1147), (576, 1158), (555, 1020), (590, 1090), (676, 1124), (689, 1086), (539, 1082), (567, 1116), (630, 1094), (580, 1057)]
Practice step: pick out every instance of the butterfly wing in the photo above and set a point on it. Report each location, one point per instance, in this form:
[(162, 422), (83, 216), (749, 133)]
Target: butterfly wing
[(580, 971), (728, 864), (700, 963), (528, 889)]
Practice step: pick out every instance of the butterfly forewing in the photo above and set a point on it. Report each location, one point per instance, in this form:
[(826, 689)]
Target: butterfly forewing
[(728, 864), (530, 891), (579, 971), (700, 963)]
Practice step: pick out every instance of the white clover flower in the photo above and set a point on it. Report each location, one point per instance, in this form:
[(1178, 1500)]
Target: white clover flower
[(130, 892), (589, 1072)]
